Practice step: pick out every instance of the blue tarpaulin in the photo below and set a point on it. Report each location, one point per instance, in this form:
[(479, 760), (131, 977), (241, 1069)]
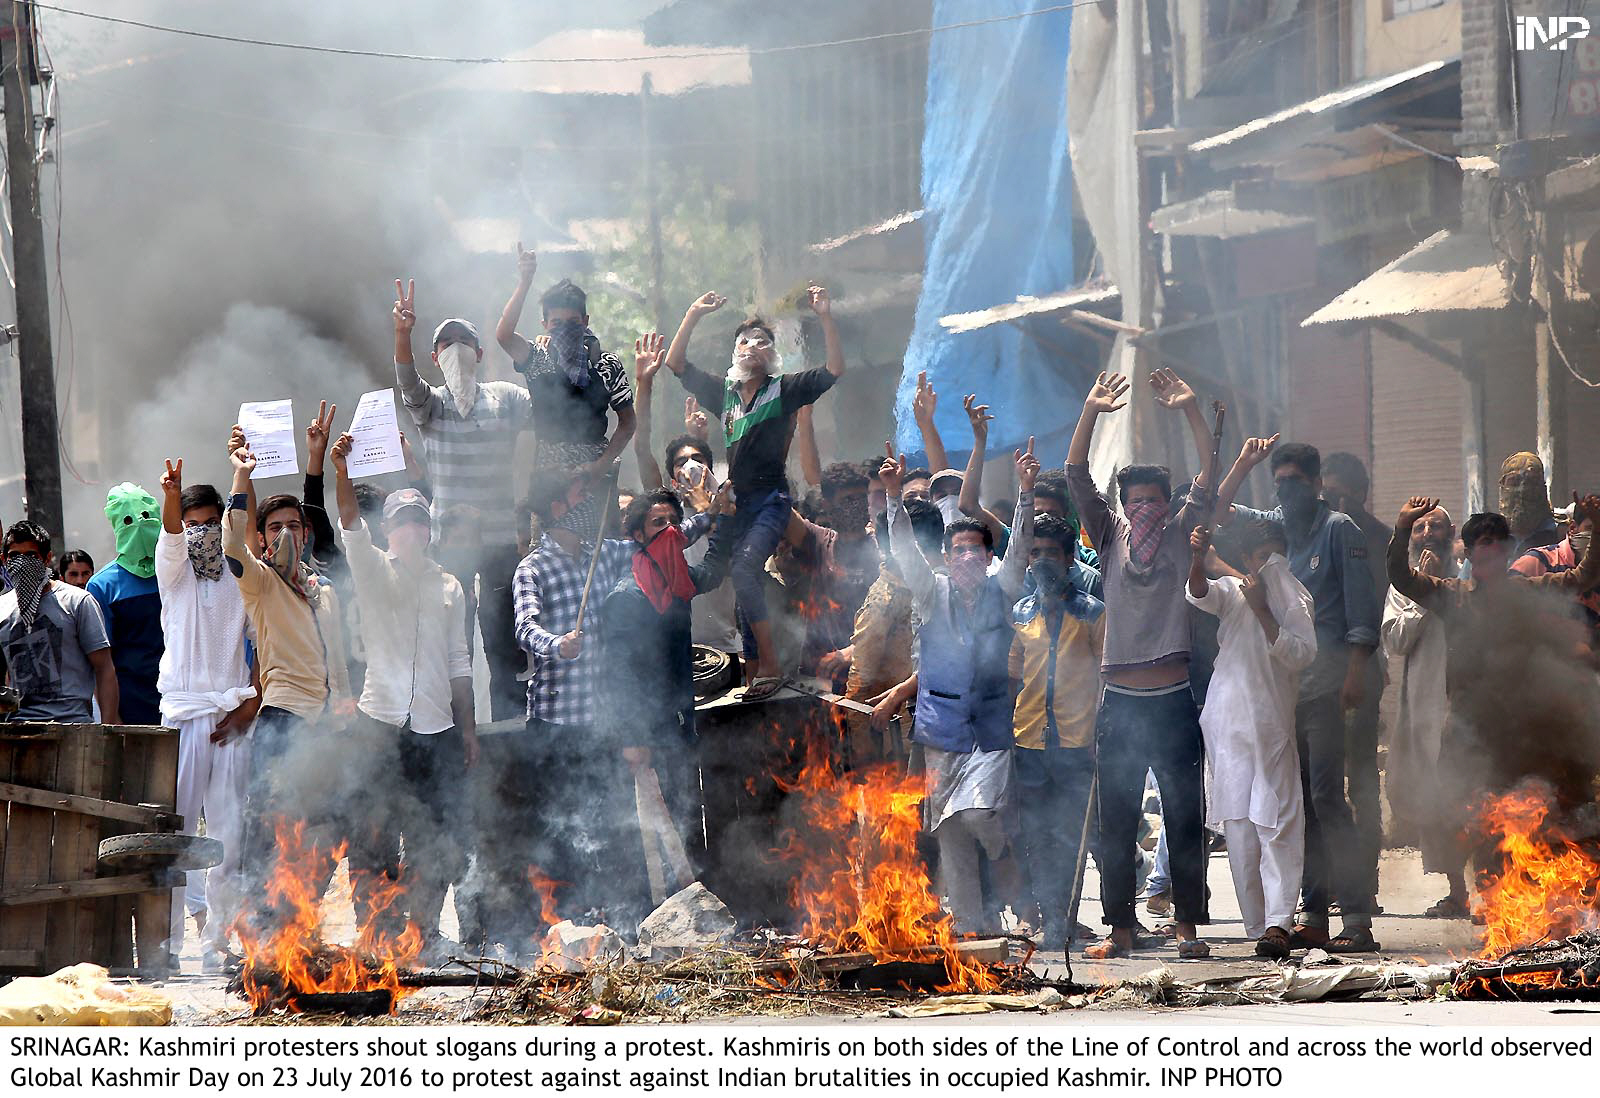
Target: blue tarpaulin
[(997, 188)]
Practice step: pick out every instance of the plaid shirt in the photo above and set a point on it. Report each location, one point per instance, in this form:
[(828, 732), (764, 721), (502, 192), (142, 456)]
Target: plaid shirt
[(471, 458), (548, 590)]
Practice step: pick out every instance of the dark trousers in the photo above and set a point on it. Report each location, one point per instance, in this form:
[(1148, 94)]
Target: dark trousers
[(408, 835), (1159, 732), (1333, 867), (1054, 787), (283, 746), (757, 530), (1361, 776), (508, 698)]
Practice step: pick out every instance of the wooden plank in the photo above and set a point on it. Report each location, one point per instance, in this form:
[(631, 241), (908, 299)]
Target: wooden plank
[(149, 818), (86, 858), (28, 836), (152, 925), (113, 914), (61, 945), (51, 891), (28, 960)]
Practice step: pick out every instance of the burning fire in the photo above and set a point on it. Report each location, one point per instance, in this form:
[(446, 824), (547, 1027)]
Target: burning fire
[(544, 886), (290, 957), (1547, 885), (861, 884)]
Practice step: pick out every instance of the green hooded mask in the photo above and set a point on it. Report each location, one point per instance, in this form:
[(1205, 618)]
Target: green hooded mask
[(136, 522)]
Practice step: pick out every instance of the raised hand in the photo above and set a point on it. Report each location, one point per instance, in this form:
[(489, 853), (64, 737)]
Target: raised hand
[(318, 431), (926, 401), (1415, 508), (341, 454), (1027, 467), (647, 353), (242, 459), (527, 264), (977, 415), (1429, 564), (698, 492), (1109, 394), (1171, 390), (1256, 450), (695, 419), (1585, 507), (817, 297), (1199, 541), (405, 306), (1254, 591), (236, 439), (722, 502), (172, 479), (706, 304), (892, 473)]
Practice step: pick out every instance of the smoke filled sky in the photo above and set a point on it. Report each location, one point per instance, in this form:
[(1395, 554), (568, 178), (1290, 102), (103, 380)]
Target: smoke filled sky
[(232, 217)]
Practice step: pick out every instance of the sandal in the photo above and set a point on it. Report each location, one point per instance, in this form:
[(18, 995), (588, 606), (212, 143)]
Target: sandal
[(1356, 940), (763, 688), (1195, 949), (1451, 907), (1274, 944), (1308, 937), (1105, 949)]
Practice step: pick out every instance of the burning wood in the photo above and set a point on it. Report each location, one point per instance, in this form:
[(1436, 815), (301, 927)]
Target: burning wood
[(287, 965), (1547, 884)]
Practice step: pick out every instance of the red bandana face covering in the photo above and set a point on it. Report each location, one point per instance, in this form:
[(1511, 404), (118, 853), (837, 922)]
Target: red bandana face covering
[(1147, 521), (661, 572)]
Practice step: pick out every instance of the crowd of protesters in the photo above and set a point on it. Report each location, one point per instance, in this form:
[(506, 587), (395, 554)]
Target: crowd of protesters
[(1047, 657)]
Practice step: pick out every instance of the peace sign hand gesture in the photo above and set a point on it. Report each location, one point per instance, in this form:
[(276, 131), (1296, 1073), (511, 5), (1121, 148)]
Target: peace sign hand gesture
[(317, 433), (172, 479), (405, 306)]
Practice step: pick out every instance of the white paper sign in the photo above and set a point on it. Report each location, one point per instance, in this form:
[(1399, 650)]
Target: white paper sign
[(375, 431), (269, 431)]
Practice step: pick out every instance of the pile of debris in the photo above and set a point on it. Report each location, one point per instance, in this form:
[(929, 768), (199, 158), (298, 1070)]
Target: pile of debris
[(1567, 969)]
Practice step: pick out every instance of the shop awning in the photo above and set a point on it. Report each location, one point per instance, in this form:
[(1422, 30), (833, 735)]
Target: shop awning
[(1451, 271), (1093, 298)]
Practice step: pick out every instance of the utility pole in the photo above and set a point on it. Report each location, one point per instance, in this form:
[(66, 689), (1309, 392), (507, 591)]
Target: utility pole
[(41, 441), (658, 312)]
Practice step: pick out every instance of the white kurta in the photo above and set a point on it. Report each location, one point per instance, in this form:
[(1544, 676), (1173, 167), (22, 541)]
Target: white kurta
[(1415, 707), (1248, 719)]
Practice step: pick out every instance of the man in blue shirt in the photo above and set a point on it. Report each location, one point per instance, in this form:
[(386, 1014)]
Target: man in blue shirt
[(1328, 555), (130, 602)]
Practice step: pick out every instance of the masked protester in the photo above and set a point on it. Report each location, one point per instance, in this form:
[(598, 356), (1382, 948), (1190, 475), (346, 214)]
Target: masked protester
[(1564, 556), (757, 405), (209, 694), (963, 721), (130, 599), (52, 638), (1525, 503), (304, 683), (574, 384), (415, 716), (1148, 719), (1060, 637), (644, 626), (1328, 555), (1266, 639), (469, 430), (1416, 711)]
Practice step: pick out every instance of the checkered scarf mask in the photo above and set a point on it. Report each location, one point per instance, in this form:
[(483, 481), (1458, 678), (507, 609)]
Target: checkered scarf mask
[(1147, 524), (569, 346), (28, 576)]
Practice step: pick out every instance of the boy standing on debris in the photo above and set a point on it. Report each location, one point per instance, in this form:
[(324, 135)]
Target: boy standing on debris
[(1267, 638), (757, 408), (963, 723)]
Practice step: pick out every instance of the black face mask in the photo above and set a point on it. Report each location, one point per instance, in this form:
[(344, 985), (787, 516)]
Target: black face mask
[(1052, 578), (1298, 498)]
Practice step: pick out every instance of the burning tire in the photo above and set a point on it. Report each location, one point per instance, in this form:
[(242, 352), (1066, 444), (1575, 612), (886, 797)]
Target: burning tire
[(160, 851)]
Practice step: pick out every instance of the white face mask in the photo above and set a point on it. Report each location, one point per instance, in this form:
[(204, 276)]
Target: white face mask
[(752, 358), (690, 472), (949, 507), (459, 362)]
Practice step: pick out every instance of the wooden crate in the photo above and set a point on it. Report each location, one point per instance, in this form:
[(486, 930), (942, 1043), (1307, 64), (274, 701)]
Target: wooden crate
[(64, 788)]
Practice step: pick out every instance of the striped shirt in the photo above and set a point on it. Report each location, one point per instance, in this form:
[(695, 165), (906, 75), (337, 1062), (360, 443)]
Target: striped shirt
[(470, 458)]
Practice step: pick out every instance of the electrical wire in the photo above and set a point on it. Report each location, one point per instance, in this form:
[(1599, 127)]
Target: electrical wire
[(753, 51)]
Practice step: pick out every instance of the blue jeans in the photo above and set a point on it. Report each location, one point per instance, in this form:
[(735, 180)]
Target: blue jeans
[(757, 530)]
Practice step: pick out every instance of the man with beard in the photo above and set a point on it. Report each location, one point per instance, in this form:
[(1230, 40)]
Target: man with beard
[(1328, 555), (572, 382), (130, 601), (1060, 635), (757, 407), (469, 438), (1521, 703), (644, 627), (52, 638), (300, 658), (415, 713), (1416, 710), (208, 694), (1525, 503), (963, 723), (1148, 719)]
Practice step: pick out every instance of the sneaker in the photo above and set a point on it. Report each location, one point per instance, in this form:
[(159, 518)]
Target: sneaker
[(1159, 904)]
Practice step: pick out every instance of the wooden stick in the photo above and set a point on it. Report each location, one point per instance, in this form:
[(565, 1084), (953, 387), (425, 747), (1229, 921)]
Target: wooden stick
[(594, 558)]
